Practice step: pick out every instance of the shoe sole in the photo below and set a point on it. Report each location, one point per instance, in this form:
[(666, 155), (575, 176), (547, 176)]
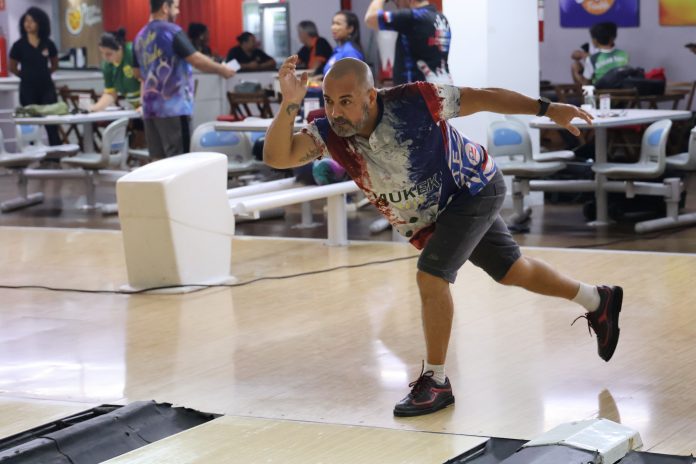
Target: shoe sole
[(422, 412), (618, 297)]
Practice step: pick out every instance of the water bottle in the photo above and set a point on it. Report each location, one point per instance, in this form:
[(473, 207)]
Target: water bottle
[(590, 103)]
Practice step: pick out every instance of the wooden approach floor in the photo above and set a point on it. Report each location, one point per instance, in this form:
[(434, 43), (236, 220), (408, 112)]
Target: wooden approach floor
[(327, 355)]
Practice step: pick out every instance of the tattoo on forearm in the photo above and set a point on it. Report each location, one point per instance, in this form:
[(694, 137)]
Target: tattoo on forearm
[(311, 154), (292, 108)]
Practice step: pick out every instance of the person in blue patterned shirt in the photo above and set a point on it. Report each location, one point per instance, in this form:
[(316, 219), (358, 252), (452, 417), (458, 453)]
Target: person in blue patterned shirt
[(436, 187), (422, 49), (163, 59)]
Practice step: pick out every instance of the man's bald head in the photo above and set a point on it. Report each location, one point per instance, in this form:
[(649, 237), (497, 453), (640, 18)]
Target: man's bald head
[(350, 66), (350, 98)]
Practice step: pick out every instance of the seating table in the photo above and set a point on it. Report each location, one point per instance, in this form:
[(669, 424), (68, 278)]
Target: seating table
[(600, 125), (86, 119)]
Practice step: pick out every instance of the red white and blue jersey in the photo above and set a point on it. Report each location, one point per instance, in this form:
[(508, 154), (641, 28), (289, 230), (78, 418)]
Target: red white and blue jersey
[(422, 49), (414, 162)]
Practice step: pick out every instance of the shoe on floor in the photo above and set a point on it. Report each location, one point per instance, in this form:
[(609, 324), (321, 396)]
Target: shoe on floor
[(426, 396)]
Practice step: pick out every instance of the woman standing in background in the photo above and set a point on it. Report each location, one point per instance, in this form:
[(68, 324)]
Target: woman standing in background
[(345, 28), (33, 58)]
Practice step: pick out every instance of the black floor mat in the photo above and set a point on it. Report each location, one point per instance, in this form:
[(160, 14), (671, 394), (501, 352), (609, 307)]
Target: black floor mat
[(99, 434)]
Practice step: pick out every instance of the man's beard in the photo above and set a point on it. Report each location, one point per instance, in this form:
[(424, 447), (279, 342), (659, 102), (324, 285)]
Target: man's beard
[(345, 128)]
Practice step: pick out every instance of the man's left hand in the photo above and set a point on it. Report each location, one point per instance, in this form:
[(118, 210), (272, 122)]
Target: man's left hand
[(562, 114)]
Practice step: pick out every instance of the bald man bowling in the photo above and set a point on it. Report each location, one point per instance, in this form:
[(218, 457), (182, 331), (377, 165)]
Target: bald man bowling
[(438, 189)]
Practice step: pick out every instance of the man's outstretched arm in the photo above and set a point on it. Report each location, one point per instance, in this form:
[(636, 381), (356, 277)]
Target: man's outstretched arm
[(509, 102)]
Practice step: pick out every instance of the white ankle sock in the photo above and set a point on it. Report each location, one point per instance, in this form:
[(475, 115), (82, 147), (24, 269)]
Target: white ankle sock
[(438, 372), (588, 297)]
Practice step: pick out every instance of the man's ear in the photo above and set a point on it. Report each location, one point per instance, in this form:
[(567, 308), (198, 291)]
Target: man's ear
[(373, 95)]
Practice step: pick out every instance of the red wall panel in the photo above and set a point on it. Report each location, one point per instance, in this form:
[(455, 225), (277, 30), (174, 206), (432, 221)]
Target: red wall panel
[(223, 18), (129, 14)]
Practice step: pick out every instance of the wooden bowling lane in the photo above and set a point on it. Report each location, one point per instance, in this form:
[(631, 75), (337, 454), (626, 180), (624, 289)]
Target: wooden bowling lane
[(230, 439), (94, 259), (341, 347), (21, 414)]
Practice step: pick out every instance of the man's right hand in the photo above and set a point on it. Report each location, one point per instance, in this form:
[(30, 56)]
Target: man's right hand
[(293, 88), (228, 73), (563, 115)]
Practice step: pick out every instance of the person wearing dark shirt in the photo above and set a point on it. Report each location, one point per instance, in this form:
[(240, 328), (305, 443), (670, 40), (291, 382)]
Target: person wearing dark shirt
[(33, 58), (424, 39), (200, 38), (316, 50), (162, 61), (248, 55)]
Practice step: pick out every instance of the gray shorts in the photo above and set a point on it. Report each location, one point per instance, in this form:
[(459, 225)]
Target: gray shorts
[(168, 136), (471, 228)]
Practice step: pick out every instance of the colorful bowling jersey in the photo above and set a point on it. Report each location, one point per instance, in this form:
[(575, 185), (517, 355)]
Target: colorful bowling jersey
[(414, 162), (422, 49), (168, 79)]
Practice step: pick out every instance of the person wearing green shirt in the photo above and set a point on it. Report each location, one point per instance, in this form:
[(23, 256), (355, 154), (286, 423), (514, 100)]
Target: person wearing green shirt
[(118, 71), (606, 57)]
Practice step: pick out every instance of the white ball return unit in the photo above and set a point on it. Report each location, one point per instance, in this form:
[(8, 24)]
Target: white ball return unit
[(178, 218)]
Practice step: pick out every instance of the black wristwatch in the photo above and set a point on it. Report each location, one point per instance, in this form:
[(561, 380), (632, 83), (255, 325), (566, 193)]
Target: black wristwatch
[(543, 105)]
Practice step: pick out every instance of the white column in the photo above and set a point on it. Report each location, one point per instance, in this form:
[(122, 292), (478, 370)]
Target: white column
[(495, 43)]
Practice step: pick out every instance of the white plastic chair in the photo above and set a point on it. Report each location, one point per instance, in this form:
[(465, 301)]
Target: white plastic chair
[(510, 145), (236, 145), (653, 156), (28, 137), (682, 163), (544, 156), (651, 165), (113, 155), (685, 161), (16, 163)]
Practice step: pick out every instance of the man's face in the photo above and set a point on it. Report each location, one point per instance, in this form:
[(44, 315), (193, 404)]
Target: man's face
[(347, 105), (172, 10), (305, 39)]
